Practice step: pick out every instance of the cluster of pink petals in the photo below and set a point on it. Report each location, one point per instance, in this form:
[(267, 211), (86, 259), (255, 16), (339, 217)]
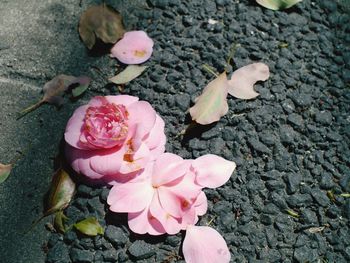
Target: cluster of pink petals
[(113, 138), (120, 140), (167, 197), (135, 47)]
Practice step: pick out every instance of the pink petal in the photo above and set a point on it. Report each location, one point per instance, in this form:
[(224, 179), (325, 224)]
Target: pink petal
[(125, 100), (187, 189), (170, 202), (199, 208), (74, 126), (204, 244), (80, 162), (212, 171), (142, 118), (130, 197), (189, 218), (241, 84), (201, 204), (156, 138), (107, 162), (143, 222), (139, 160), (171, 225), (167, 168), (134, 48)]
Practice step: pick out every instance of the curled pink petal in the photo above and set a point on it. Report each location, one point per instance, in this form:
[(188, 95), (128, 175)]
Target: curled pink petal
[(74, 127), (212, 171), (156, 138), (201, 204), (134, 48), (142, 120), (204, 244), (241, 84)]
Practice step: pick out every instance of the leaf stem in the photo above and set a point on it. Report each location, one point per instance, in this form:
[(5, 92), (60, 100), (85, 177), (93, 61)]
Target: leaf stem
[(30, 109), (209, 69), (231, 54)]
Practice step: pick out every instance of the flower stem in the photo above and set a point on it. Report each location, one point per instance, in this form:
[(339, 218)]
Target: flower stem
[(30, 109)]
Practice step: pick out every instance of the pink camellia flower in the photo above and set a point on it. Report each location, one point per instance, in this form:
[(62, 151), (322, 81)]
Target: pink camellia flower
[(167, 196), (134, 48), (113, 138)]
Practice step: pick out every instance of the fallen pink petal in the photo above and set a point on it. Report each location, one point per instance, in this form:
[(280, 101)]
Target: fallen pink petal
[(203, 244), (212, 171), (241, 84), (135, 47)]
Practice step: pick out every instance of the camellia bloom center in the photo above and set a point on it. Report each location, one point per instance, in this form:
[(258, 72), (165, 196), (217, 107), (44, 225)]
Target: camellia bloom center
[(106, 125)]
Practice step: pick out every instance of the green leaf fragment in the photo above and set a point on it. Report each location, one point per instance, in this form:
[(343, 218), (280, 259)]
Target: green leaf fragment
[(277, 4), (90, 227), (292, 213), (283, 45), (128, 74), (331, 196), (83, 86), (346, 195), (5, 170), (59, 222)]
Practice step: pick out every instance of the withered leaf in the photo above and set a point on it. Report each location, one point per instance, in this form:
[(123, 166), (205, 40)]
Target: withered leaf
[(89, 226), (103, 22), (61, 192), (54, 89), (211, 105), (5, 170), (128, 74), (316, 229)]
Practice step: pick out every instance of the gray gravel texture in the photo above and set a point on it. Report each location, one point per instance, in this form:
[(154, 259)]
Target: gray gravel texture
[(291, 144)]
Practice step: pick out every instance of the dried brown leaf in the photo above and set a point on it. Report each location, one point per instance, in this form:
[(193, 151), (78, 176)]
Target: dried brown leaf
[(54, 89), (103, 22)]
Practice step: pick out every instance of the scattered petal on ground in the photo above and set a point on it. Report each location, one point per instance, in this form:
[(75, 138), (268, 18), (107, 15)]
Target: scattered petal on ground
[(211, 105), (241, 84), (203, 244), (135, 47)]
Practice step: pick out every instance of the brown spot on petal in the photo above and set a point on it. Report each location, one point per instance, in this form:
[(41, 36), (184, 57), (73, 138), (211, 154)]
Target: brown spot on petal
[(185, 204), (140, 53), (128, 158)]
